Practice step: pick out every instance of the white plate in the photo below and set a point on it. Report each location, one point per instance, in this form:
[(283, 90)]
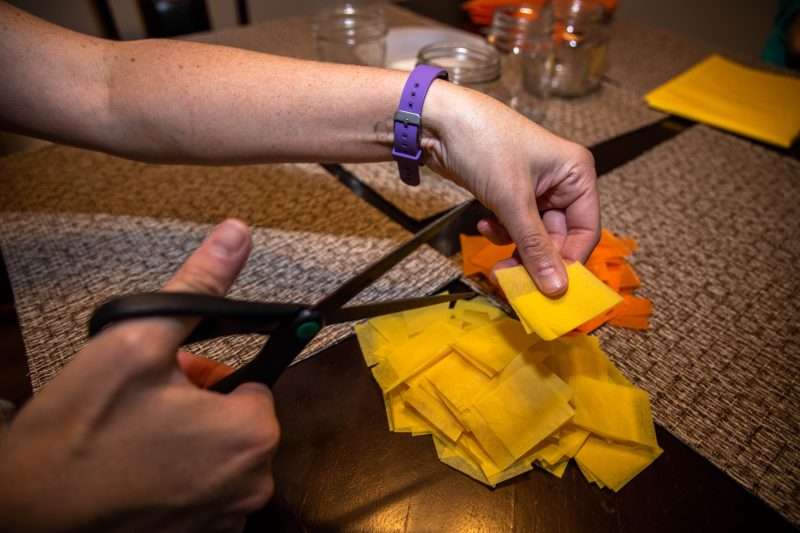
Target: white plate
[(402, 44)]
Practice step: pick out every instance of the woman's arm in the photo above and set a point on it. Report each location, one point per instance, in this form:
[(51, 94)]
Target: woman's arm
[(173, 101)]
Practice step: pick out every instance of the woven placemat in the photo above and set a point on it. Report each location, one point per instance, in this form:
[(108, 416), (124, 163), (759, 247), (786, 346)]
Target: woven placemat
[(432, 196), (599, 116), (62, 266), (718, 223), (77, 227)]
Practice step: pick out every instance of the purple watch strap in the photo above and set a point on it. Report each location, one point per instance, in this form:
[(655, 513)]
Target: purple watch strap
[(407, 150)]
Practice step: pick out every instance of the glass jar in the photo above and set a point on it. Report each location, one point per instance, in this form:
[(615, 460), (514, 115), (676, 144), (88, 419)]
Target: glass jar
[(520, 34), (471, 65), (351, 34), (581, 36), (512, 33)]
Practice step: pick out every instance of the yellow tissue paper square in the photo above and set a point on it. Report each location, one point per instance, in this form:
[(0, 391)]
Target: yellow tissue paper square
[(419, 319), (751, 102), (392, 327), (614, 411), (557, 469), (613, 464), (429, 407), (449, 455), (401, 418), (488, 441), (523, 409), (586, 298), (370, 341), (457, 380), (577, 355), (414, 355), (494, 345)]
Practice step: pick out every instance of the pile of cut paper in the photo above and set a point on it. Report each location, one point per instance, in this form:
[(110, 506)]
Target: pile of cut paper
[(500, 395), (608, 263)]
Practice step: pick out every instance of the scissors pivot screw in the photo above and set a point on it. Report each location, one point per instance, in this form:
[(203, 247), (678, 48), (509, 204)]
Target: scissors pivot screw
[(307, 330)]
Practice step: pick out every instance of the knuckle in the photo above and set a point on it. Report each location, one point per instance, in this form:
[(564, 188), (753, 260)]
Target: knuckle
[(195, 277), (583, 156), (137, 346), (534, 245)]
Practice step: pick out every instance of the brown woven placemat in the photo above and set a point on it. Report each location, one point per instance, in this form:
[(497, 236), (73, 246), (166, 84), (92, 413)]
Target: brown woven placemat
[(642, 57), (432, 196), (599, 116), (77, 227), (718, 223)]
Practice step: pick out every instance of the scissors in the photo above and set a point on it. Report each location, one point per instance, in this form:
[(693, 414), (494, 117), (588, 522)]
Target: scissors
[(290, 326)]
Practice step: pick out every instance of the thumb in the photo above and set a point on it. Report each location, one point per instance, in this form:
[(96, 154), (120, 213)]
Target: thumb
[(211, 269), (537, 253)]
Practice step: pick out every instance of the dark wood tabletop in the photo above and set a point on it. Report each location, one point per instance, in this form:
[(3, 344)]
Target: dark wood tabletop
[(339, 468)]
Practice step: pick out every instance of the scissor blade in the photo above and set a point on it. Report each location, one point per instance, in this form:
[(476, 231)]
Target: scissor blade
[(356, 284), (357, 312)]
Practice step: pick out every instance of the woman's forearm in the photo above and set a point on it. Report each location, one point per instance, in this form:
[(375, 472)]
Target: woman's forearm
[(184, 101), (176, 101)]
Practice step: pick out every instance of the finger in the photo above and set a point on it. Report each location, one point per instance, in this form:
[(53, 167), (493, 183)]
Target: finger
[(556, 225), (583, 225), (202, 371), (253, 405), (211, 269), (537, 252), (494, 231)]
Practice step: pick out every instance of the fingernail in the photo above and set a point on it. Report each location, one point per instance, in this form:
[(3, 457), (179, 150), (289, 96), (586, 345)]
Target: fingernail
[(549, 281), (228, 238)]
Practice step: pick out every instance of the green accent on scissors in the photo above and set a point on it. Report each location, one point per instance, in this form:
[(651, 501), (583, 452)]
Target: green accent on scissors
[(307, 330)]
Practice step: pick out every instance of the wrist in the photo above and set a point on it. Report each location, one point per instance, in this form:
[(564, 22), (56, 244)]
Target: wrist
[(443, 114)]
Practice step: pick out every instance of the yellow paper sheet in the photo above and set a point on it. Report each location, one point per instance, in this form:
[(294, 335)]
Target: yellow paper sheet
[(550, 318), (557, 469), (401, 418), (523, 410), (419, 319), (571, 440), (494, 345), (414, 355), (614, 464), (577, 355), (614, 411), (370, 340), (754, 103), (488, 441), (429, 407), (457, 380), (392, 327)]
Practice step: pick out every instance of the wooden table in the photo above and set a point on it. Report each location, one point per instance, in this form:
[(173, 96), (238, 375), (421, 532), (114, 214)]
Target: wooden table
[(340, 469)]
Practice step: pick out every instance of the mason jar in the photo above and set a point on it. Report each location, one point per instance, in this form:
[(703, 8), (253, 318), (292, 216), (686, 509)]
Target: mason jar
[(351, 34), (522, 34), (581, 37), (476, 66)]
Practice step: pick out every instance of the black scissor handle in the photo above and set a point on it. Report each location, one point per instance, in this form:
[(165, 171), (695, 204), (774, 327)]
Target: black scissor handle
[(219, 316)]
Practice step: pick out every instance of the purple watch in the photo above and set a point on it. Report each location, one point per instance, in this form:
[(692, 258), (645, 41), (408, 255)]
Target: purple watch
[(407, 150)]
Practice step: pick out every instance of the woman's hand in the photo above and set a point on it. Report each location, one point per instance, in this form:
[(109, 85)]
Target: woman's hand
[(540, 186), (122, 439)]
